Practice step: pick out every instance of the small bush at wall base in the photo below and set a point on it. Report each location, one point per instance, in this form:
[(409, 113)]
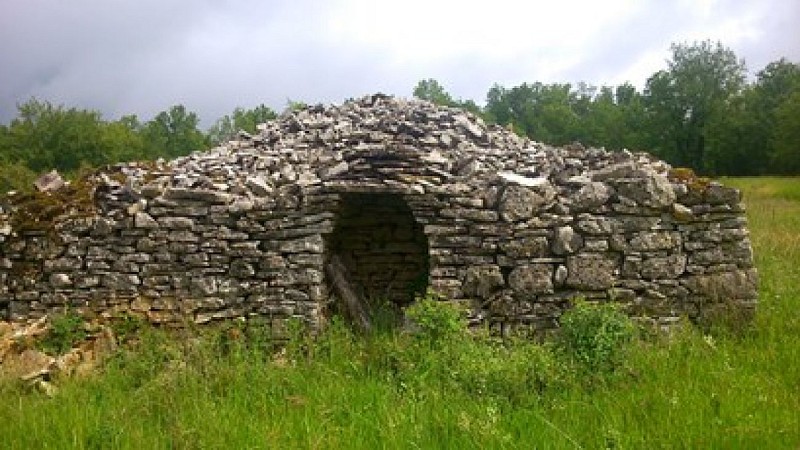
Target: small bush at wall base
[(66, 330), (127, 326), (595, 335), (437, 320)]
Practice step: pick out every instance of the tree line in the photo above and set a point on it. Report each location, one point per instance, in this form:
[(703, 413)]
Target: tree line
[(699, 112), (44, 136)]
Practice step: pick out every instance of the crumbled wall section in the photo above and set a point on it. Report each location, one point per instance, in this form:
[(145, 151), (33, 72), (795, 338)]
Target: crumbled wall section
[(514, 228)]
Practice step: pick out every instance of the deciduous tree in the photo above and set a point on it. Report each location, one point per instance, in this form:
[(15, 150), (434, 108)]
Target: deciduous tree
[(699, 83), (173, 133), (241, 119)]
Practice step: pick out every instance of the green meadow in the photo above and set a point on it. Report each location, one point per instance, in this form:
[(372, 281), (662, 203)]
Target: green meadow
[(603, 384)]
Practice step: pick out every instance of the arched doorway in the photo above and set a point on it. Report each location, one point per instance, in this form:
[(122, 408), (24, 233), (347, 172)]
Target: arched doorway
[(382, 248)]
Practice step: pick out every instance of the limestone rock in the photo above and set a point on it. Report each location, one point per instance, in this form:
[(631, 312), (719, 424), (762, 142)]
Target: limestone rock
[(652, 190), (258, 186), (482, 281), (49, 182), (200, 195), (664, 267), (522, 180), (591, 271), (560, 277), (591, 195), (144, 220), (655, 240), (566, 241), (682, 213), (717, 194), (725, 286), (334, 171), (626, 169), (176, 223), (519, 203), (60, 280), (27, 365), (526, 247), (528, 280)]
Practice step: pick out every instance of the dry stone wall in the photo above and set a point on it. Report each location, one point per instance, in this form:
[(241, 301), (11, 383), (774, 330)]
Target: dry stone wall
[(408, 196)]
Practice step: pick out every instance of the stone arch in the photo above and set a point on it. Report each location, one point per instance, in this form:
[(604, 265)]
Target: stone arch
[(381, 246)]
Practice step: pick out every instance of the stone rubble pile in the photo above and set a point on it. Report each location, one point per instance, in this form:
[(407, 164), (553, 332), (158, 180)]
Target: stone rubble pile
[(411, 196), (20, 359)]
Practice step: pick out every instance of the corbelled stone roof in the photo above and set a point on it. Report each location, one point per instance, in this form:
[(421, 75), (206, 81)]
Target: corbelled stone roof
[(373, 142)]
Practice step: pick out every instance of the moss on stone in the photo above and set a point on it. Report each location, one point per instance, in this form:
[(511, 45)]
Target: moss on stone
[(41, 211), (687, 177)]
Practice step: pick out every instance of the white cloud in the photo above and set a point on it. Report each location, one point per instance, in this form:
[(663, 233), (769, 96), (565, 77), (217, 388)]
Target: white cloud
[(140, 57), (427, 32)]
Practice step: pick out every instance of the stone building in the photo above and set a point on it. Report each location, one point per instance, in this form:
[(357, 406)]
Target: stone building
[(405, 196)]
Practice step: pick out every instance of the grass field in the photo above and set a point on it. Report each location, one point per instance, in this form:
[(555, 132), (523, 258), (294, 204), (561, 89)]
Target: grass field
[(229, 389)]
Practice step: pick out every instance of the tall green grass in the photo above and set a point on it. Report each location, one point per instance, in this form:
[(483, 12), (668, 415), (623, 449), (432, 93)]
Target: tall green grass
[(233, 388)]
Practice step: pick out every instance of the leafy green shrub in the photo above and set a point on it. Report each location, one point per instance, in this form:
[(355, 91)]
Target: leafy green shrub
[(127, 326), (437, 320), (66, 330), (595, 335)]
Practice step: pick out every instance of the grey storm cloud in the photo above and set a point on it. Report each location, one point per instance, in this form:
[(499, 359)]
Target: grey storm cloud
[(141, 57)]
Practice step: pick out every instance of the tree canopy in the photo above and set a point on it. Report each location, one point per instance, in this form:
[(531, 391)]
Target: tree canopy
[(240, 120), (699, 112)]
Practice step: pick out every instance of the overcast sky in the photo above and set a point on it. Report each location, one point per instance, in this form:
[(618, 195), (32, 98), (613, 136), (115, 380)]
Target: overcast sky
[(141, 56)]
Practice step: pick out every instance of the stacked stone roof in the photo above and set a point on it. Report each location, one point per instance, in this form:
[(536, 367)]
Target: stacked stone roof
[(384, 143)]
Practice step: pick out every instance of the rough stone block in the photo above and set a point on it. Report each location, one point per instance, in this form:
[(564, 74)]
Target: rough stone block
[(664, 267), (482, 281), (592, 271), (726, 286), (531, 279), (566, 241), (520, 203)]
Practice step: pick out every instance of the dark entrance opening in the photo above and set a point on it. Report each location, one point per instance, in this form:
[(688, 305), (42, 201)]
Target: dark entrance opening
[(384, 251)]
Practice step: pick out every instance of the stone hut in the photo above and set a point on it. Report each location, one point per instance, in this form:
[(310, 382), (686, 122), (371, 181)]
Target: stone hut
[(403, 196)]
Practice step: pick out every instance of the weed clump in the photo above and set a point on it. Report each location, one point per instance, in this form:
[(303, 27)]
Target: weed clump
[(65, 331), (127, 326), (595, 335), (436, 320), (687, 177), (42, 210)]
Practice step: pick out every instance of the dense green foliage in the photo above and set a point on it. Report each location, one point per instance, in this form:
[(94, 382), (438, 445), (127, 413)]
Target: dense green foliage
[(65, 331), (240, 120), (595, 335), (430, 90), (437, 321), (234, 387), (45, 136), (699, 112)]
